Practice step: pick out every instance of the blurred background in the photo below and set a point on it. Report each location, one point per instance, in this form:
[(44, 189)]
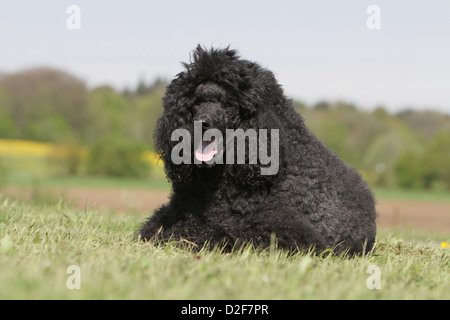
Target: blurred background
[(80, 92)]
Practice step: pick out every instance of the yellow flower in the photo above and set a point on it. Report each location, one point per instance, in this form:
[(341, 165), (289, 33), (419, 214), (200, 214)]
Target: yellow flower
[(24, 148), (445, 245), (152, 158)]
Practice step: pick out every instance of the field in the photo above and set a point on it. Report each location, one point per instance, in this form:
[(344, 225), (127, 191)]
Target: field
[(42, 238), (74, 238)]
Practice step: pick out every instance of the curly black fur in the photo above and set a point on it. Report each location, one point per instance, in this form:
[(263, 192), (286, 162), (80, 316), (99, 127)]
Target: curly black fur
[(314, 200)]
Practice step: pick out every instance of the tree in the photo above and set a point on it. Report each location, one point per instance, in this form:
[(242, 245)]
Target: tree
[(39, 94)]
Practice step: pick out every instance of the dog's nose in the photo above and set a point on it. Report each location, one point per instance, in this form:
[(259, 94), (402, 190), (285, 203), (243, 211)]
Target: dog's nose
[(206, 124)]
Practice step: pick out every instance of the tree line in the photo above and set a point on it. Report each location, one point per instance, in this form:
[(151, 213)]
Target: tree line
[(408, 149)]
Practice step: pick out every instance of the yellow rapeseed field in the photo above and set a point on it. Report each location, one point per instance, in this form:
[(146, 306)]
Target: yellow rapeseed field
[(20, 148), (25, 148)]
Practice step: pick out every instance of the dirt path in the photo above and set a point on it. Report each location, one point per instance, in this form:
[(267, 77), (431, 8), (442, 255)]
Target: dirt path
[(144, 201), (416, 214), (392, 213), (422, 215)]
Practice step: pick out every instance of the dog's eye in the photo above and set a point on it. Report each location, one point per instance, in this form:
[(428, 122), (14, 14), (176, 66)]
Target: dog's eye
[(192, 110)]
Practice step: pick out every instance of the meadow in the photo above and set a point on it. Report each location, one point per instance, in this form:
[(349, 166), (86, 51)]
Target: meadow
[(39, 243), (58, 133), (50, 249)]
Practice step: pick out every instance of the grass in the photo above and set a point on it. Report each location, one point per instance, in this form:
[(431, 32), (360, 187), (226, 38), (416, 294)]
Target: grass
[(412, 194), (39, 242), (26, 179), (158, 181)]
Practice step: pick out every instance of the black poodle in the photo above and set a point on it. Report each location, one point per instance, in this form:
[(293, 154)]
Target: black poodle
[(309, 199)]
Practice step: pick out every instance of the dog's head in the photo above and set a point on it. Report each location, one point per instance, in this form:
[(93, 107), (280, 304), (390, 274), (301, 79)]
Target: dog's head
[(217, 90)]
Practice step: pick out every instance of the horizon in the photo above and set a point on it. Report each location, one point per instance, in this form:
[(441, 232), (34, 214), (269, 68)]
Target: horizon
[(318, 51), (158, 80), (312, 104)]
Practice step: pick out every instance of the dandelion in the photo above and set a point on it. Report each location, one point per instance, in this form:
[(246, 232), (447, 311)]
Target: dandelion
[(445, 245)]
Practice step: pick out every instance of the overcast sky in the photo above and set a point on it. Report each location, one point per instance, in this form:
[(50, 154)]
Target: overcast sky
[(317, 49)]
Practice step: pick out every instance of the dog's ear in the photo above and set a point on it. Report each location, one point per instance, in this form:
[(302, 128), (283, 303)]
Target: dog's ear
[(262, 105), (256, 89), (175, 116), (248, 102), (263, 173)]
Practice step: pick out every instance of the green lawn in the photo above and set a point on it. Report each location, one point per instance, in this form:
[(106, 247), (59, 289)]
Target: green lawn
[(26, 179), (412, 194), (159, 181), (39, 242)]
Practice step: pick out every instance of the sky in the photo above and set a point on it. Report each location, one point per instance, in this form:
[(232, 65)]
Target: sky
[(318, 50)]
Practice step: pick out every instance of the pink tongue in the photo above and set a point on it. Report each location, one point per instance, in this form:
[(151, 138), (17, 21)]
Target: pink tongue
[(206, 150)]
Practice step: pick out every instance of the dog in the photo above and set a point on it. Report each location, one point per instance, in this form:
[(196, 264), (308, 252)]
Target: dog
[(309, 200)]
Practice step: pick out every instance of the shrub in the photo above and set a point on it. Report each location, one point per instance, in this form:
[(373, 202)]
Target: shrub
[(428, 169), (409, 170), (66, 159), (112, 156)]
